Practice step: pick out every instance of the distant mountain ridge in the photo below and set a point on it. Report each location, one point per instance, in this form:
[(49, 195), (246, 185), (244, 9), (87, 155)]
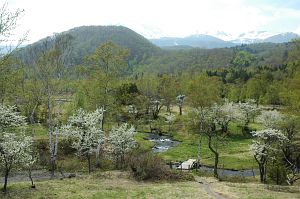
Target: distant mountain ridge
[(199, 41), (222, 40)]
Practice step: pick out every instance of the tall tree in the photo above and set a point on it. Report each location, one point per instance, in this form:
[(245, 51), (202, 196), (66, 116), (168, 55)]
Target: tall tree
[(50, 68), (203, 91), (167, 89), (8, 24), (205, 124), (107, 63)]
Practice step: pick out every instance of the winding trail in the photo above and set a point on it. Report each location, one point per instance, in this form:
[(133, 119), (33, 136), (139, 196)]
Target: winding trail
[(206, 186)]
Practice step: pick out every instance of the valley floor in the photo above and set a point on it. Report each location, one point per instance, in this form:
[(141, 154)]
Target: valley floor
[(115, 184)]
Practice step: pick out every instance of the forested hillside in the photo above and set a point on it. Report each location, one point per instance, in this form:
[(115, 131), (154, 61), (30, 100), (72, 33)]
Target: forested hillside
[(84, 40), (145, 57), (172, 61)]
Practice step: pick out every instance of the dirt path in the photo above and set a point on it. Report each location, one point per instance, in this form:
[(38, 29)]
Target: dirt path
[(37, 175), (206, 186)]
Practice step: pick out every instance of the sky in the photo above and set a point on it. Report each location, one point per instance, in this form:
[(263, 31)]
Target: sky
[(157, 18)]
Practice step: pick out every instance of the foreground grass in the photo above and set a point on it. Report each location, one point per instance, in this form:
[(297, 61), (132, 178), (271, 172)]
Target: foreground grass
[(255, 190), (105, 185), (115, 184)]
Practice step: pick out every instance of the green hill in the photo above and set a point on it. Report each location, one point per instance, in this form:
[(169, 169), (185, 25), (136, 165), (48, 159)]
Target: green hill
[(87, 38)]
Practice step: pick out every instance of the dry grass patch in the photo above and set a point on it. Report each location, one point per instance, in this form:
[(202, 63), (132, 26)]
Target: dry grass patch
[(105, 185), (254, 190)]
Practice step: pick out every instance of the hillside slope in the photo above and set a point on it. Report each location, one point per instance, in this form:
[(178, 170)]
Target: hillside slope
[(87, 38)]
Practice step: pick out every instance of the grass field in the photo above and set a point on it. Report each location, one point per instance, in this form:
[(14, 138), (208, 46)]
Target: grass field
[(116, 184), (234, 151), (105, 185), (255, 190)]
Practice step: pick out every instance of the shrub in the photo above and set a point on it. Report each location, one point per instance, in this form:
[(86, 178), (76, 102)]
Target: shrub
[(149, 166)]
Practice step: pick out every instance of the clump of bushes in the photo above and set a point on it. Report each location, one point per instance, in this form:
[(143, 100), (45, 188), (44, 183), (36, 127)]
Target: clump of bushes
[(149, 166)]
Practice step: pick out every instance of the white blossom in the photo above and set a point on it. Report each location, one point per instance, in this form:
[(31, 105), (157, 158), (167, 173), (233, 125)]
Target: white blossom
[(15, 153), (170, 118), (15, 150), (264, 141), (225, 113), (270, 119), (84, 130), (121, 140), (10, 118), (180, 99), (246, 111), (132, 109)]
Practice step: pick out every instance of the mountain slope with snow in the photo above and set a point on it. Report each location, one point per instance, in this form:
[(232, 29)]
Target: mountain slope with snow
[(222, 39)]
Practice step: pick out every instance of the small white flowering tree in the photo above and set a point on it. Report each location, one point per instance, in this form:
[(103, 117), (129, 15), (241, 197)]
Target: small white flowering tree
[(180, 101), (155, 107), (121, 141), (169, 120), (10, 118), (30, 159), (84, 129), (206, 125), (270, 119), (15, 151), (265, 144), (246, 111), (225, 114)]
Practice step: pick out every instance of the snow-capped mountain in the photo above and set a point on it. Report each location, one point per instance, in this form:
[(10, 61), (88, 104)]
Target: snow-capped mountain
[(252, 37), (221, 39), (282, 38), (200, 41), (245, 38)]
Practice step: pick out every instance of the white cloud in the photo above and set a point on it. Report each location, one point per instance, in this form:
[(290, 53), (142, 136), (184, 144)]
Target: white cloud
[(156, 17)]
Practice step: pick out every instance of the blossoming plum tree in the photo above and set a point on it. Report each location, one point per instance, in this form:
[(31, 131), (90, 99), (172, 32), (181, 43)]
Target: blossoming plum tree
[(84, 129), (15, 148)]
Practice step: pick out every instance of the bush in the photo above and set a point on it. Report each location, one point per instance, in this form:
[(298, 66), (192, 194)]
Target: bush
[(149, 166)]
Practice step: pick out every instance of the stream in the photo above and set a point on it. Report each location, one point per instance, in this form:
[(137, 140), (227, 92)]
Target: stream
[(229, 172), (162, 143)]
